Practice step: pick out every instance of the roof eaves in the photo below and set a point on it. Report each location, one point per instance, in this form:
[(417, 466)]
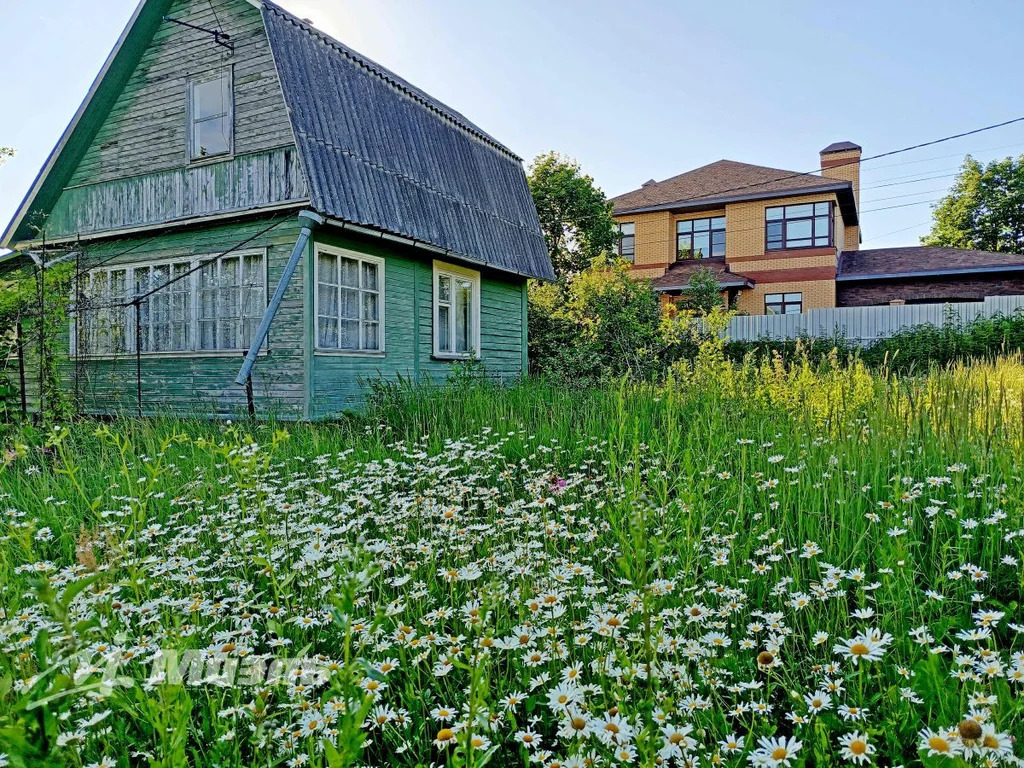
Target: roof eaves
[(930, 273), (422, 245), (707, 201)]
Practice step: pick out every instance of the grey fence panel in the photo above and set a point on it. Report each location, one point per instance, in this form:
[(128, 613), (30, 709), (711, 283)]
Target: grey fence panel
[(865, 325)]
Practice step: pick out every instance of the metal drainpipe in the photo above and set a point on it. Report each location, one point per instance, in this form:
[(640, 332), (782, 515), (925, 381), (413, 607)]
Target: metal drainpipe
[(313, 220)]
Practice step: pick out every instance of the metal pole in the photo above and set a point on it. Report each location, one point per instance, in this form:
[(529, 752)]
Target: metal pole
[(313, 219), (41, 286), (138, 358), (20, 333)]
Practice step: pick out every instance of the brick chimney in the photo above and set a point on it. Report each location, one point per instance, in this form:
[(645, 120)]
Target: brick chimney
[(841, 160)]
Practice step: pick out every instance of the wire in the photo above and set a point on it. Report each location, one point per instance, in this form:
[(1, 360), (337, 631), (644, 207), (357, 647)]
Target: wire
[(854, 161), (945, 157), (909, 194), (896, 231), (207, 262)]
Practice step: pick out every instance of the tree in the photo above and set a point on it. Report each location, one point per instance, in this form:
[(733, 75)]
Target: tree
[(984, 208), (598, 324), (574, 215), (703, 293)]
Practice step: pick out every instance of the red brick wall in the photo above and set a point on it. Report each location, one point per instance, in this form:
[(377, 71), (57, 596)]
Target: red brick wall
[(865, 294)]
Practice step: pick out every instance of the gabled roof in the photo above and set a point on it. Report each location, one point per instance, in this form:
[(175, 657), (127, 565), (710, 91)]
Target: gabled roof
[(73, 143), (377, 152), (922, 261), (727, 181), (678, 275)]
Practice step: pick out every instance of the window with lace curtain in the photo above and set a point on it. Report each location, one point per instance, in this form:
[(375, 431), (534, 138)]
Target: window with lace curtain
[(349, 301), (199, 304)]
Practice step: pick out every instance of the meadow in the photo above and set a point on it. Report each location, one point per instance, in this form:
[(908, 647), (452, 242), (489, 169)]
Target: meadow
[(771, 564)]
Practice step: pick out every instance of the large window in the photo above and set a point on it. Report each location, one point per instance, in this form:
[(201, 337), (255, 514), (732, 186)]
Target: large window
[(199, 304), (210, 116), (808, 225), (456, 311), (700, 238), (349, 301), (783, 303), (627, 240)]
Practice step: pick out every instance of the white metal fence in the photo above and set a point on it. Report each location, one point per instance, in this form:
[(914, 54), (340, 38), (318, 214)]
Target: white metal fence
[(865, 325)]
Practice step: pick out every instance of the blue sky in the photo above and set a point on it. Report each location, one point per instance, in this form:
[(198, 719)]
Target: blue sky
[(632, 90)]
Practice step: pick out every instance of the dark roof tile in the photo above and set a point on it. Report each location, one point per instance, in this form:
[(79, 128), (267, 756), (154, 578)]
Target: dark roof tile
[(727, 180), (840, 146), (922, 258), (679, 274)]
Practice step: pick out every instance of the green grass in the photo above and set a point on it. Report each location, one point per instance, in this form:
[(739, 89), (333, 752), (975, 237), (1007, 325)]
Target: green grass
[(636, 549)]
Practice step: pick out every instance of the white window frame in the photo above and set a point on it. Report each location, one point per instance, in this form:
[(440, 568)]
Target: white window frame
[(457, 273), (192, 281), (192, 149), (381, 302)]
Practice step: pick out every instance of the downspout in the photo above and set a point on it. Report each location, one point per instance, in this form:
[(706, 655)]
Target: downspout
[(314, 219)]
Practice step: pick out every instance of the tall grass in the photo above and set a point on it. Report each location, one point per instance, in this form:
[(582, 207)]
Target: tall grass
[(707, 490)]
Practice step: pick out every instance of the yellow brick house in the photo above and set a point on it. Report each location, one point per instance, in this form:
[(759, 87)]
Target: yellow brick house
[(782, 242)]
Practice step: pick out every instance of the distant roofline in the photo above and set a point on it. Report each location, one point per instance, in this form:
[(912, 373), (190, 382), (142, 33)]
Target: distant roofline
[(840, 278), (707, 201)]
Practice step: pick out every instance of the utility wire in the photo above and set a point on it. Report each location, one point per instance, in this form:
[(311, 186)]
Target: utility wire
[(855, 161)]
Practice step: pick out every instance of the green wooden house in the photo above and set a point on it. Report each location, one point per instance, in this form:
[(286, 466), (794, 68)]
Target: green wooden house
[(249, 200)]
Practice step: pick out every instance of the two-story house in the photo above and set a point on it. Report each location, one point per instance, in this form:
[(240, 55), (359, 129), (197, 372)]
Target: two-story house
[(783, 242), (260, 215)]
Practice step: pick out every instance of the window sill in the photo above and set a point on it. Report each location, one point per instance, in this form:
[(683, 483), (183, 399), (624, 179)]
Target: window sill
[(349, 353), (453, 358), (216, 353), (210, 160)]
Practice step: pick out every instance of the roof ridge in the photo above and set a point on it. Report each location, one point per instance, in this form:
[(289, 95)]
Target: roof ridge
[(394, 80), (787, 174)]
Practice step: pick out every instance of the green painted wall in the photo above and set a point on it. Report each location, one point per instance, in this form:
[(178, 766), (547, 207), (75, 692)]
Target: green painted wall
[(291, 379), (185, 384), (137, 172), (408, 322)]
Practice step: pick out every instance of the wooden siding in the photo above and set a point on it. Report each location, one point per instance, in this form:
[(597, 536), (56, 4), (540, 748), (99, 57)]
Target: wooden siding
[(242, 183), (409, 327), (191, 384), (146, 130)]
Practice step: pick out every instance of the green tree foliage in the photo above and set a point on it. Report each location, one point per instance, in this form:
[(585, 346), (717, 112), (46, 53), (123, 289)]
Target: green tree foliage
[(597, 325), (574, 215), (703, 295), (984, 208)]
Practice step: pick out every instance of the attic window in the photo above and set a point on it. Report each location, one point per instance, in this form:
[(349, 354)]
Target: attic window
[(211, 117)]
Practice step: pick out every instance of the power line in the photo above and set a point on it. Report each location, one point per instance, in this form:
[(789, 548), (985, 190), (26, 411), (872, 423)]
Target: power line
[(897, 231), (945, 157), (908, 194), (853, 161)]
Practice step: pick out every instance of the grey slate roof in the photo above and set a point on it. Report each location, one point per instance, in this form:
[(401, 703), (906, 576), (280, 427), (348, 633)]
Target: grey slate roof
[(380, 153)]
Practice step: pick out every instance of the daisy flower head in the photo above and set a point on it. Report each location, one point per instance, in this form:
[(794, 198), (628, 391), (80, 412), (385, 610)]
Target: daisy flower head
[(779, 750), (856, 748), (866, 646)]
